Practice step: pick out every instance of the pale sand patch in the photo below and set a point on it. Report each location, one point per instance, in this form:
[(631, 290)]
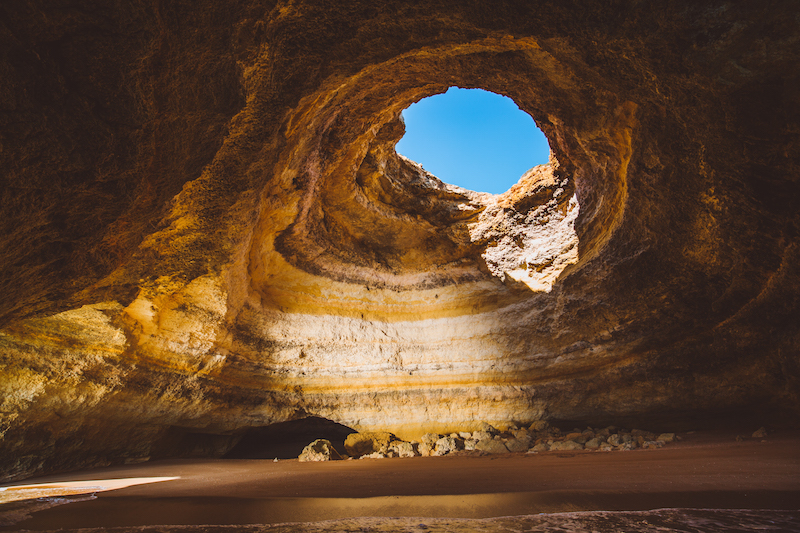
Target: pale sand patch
[(67, 488)]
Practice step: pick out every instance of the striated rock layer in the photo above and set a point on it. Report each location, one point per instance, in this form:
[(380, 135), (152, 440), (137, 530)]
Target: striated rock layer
[(206, 227)]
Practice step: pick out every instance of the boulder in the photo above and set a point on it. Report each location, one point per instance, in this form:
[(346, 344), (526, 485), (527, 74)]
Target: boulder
[(580, 438), (368, 442), (425, 449), (482, 435), (539, 425), (403, 449), (593, 444), (541, 447), (488, 428), (518, 445), (568, 445), (375, 455), (319, 450), (430, 439), (447, 445), (491, 446), (605, 432)]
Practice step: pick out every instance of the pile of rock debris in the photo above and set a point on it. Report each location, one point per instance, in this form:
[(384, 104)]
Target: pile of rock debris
[(539, 437)]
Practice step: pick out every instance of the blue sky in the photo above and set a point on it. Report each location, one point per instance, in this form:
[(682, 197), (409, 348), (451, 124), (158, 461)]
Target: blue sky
[(473, 138)]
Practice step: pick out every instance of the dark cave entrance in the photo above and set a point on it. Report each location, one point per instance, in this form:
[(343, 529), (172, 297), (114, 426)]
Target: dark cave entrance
[(286, 440)]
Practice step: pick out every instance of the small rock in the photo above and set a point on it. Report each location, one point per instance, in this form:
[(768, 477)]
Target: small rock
[(626, 438), (319, 450), (760, 433), (541, 447), (430, 439), (518, 445), (614, 440), (424, 449), (488, 428), (593, 444), (403, 449), (368, 442), (606, 447), (481, 435), (465, 435), (469, 444), (666, 437), (539, 425), (605, 433), (566, 445), (652, 444), (573, 435), (376, 455), (447, 445), (491, 446), (520, 433)]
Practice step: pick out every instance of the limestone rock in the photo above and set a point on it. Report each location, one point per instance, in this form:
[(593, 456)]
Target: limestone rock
[(593, 444), (319, 450), (374, 455), (539, 425), (482, 435), (425, 449), (580, 438), (491, 446), (447, 445), (403, 449), (568, 445), (430, 439), (488, 428), (518, 444), (368, 442)]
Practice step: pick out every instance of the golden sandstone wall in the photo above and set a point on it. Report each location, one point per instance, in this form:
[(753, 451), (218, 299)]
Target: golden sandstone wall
[(206, 228)]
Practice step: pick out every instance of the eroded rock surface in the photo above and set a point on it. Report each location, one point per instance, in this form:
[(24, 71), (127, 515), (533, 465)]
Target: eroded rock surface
[(204, 226)]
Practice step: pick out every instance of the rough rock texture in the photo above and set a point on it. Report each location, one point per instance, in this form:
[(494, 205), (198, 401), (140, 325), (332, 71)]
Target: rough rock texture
[(368, 442), (319, 450), (204, 226)]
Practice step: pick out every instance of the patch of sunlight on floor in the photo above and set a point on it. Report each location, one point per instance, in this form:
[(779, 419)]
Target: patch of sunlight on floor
[(66, 488)]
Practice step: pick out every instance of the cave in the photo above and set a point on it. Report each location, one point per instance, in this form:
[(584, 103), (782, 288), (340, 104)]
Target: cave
[(207, 230)]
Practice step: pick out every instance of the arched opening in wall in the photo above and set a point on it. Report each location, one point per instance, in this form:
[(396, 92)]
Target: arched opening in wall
[(285, 440), (473, 138)]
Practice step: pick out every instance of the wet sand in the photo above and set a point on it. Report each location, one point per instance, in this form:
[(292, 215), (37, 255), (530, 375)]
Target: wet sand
[(701, 472)]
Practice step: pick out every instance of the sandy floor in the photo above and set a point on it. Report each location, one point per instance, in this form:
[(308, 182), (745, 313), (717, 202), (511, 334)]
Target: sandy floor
[(700, 472)]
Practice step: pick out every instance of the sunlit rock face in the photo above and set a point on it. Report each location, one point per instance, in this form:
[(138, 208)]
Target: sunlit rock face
[(206, 227)]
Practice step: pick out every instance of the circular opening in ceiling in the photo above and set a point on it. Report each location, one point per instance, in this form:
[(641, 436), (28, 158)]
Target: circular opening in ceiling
[(473, 138)]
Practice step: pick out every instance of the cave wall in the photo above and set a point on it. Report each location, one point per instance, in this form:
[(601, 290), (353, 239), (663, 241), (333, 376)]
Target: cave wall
[(205, 225)]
